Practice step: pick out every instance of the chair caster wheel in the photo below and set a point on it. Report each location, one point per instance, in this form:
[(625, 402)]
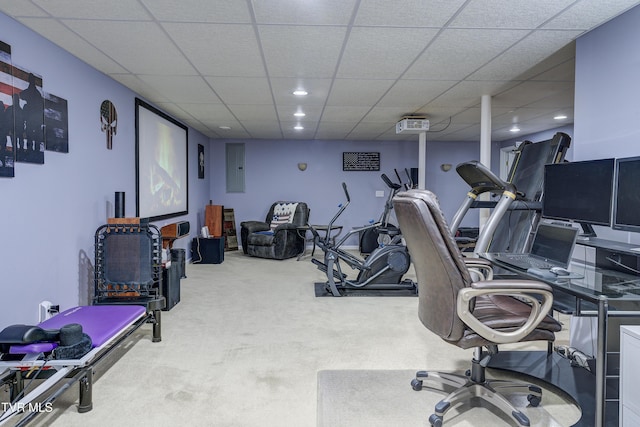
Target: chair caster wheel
[(435, 420), (467, 373), (416, 384), (534, 400)]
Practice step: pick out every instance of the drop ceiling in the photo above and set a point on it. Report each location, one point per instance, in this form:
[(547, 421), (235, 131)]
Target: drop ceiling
[(228, 68)]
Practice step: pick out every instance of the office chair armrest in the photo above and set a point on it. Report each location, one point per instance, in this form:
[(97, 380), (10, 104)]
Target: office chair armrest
[(526, 290), (480, 266)]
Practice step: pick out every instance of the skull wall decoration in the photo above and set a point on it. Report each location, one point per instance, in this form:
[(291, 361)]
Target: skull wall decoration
[(108, 120)]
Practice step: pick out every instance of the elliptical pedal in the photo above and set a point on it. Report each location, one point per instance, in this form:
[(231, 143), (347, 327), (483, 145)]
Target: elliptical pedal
[(323, 267)]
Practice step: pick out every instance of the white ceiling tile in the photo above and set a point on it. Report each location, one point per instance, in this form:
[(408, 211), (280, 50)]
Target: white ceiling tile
[(458, 54), (513, 63), (21, 9), (123, 10), (191, 89), (254, 53), (519, 115), (560, 100), (382, 53), (372, 129), (235, 133), (259, 126), (176, 112), (283, 91), (141, 87), (564, 72), (562, 56), (327, 12), (588, 14), (246, 112), (344, 114), (328, 131), (468, 116), (467, 94), (219, 11), (216, 113), (529, 92), (502, 13), (386, 114), (148, 50), (352, 92), (242, 90), (312, 112), (205, 46), (413, 94), (406, 13), (291, 133), (294, 51), (62, 36), (328, 125)]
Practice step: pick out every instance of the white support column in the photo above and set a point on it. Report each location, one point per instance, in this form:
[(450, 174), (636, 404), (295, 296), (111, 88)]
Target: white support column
[(485, 147), (422, 160)]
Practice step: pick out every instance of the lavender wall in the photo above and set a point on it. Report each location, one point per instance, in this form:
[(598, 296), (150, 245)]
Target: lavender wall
[(272, 174), (607, 111), (50, 212)]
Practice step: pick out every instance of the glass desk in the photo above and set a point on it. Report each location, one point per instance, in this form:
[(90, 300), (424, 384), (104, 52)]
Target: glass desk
[(596, 293)]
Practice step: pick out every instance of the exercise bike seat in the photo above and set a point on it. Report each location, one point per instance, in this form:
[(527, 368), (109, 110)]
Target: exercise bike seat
[(27, 334)]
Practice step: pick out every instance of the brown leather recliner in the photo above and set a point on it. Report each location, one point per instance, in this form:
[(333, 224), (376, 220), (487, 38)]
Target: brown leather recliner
[(468, 313)]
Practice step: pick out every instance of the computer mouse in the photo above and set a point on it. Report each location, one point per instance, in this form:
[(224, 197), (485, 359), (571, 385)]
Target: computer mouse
[(559, 271)]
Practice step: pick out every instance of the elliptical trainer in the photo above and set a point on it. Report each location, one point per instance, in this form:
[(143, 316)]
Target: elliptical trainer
[(381, 270), (373, 237)]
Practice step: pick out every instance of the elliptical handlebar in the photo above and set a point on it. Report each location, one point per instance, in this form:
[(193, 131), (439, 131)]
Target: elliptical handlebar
[(346, 192), (389, 183), (342, 207)]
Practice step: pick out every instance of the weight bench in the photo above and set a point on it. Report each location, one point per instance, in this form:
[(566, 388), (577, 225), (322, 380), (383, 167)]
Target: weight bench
[(106, 326)]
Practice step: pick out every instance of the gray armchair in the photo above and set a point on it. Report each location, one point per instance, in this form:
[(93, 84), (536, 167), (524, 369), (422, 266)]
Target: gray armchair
[(469, 314), (279, 236)]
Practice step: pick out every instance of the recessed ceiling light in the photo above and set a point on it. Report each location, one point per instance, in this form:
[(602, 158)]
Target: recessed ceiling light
[(560, 117), (300, 92), (224, 127), (514, 128), (299, 114), (298, 127)]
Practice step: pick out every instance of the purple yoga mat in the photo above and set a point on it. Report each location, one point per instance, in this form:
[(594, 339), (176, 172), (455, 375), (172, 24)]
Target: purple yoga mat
[(100, 322)]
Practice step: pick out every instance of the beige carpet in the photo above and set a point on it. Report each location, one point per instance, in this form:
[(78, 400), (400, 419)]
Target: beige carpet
[(383, 398), (245, 345)]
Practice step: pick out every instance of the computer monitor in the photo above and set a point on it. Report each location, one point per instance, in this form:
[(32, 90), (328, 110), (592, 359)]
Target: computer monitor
[(626, 201), (579, 191)]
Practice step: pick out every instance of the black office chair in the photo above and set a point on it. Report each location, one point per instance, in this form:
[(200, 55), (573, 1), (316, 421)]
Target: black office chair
[(469, 314)]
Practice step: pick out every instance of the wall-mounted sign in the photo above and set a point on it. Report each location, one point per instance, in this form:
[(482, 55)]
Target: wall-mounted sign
[(360, 161)]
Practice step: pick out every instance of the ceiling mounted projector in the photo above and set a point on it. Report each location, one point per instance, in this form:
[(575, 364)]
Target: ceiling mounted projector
[(412, 125)]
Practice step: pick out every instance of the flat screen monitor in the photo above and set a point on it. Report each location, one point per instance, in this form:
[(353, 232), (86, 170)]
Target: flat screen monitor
[(626, 202), (579, 191)]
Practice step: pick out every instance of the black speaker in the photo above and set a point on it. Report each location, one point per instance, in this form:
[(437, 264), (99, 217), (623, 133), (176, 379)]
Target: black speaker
[(119, 205), (176, 229), (171, 286), (207, 251), (183, 228)]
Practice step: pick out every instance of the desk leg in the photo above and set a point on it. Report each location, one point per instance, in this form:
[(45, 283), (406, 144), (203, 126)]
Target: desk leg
[(601, 362)]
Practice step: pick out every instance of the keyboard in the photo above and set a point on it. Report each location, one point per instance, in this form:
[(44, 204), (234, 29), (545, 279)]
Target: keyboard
[(524, 261)]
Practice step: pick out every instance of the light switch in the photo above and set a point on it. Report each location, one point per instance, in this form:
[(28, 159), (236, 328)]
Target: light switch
[(380, 193)]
